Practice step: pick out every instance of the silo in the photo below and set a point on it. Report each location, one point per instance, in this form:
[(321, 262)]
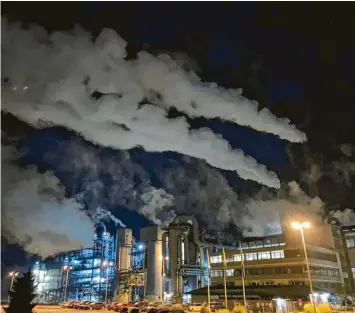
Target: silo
[(153, 238)]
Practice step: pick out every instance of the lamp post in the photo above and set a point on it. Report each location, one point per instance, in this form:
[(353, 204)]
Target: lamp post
[(243, 273), (301, 227), (225, 277), (66, 268), (209, 279), (163, 259), (106, 264), (12, 275)]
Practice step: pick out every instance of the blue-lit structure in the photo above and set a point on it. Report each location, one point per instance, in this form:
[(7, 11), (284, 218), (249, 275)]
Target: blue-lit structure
[(90, 270)]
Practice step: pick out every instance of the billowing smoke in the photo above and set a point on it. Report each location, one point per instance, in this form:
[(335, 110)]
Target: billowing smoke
[(264, 216), (106, 181), (102, 215), (67, 79), (156, 206), (203, 191), (345, 217), (35, 212)]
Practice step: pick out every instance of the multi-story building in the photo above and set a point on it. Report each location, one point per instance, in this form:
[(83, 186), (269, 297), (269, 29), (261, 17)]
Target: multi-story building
[(280, 259), (348, 243)]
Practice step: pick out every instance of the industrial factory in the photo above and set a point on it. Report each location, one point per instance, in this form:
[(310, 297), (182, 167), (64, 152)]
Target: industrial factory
[(172, 263)]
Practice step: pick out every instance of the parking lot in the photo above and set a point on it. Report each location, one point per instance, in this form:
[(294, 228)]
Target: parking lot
[(58, 309)]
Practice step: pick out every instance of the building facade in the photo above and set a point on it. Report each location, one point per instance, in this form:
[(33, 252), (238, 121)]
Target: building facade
[(280, 260)]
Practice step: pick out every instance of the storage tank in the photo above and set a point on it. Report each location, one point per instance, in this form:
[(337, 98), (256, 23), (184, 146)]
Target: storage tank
[(153, 238)]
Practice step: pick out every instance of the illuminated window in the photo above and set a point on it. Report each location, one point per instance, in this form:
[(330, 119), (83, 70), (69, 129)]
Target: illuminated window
[(230, 272), (236, 258), (279, 254), (216, 273), (350, 243), (251, 256), (264, 255), (216, 259)]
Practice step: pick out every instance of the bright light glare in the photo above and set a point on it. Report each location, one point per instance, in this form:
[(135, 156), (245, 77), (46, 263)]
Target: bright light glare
[(306, 225), (140, 247), (297, 225), (104, 263), (166, 258)]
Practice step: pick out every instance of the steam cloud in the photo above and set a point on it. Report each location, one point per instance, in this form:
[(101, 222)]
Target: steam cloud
[(52, 78), (264, 216), (35, 212), (105, 215), (111, 180)]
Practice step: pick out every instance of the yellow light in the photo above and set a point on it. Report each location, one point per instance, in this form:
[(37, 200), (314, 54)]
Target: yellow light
[(306, 225), (296, 225)]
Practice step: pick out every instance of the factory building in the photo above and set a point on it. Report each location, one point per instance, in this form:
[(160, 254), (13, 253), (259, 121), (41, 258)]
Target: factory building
[(170, 262), (80, 274)]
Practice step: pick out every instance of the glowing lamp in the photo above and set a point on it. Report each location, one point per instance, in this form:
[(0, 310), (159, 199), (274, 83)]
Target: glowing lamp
[(297, 225)]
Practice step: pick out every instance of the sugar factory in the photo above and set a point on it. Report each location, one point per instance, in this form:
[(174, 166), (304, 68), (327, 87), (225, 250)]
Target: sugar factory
[(175, 263)]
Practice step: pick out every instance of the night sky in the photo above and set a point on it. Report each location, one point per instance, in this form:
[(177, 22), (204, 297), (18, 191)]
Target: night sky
[(297, 59)]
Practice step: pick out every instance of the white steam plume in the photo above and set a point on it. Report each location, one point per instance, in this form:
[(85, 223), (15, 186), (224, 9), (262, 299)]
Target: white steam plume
[(52, 76), (345, 217), (156, 206), (102, 214), (35, 212), (264, 216)]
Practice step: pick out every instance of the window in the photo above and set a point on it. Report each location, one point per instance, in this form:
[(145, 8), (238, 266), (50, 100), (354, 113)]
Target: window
[(267, 243), (236, 258), (216, 259), (251, 256), (216, 273), (279, 254), (264, 255), (230, 272), (259, 244), (350, 243)]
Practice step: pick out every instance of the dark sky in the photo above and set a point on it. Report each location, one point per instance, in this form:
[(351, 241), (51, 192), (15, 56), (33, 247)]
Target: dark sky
[(297, 58)]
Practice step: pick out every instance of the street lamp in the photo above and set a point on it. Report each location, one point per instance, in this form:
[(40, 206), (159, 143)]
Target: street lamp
[(163, 275), (66, 268), (12, 274), (106, 264), (301, 227)]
